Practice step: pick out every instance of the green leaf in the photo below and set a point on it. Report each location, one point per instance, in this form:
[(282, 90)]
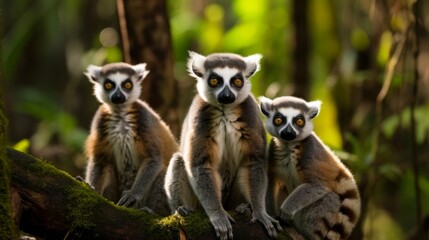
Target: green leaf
[(22, 145), (383, 54)]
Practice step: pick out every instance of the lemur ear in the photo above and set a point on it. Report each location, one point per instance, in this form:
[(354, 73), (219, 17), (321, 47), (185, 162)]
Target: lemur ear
[(93, 73), (196, 64), (252, 63), (266, 105), (314, 108), (141, 71)]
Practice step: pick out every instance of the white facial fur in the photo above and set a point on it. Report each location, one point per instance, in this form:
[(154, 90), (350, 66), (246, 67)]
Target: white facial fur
[(209, 94), (270, 111), (117, 77), (290, 114), (105, 96)]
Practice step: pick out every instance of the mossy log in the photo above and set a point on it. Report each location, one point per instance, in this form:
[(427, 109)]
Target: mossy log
[(54, 205)]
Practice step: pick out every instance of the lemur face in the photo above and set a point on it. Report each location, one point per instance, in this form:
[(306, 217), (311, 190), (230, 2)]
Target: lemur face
[(289, 118), (117, 83), (223, 78)]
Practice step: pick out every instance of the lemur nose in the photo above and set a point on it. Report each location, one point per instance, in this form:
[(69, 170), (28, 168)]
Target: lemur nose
[(118, 97), (226, 96), (288, 134)]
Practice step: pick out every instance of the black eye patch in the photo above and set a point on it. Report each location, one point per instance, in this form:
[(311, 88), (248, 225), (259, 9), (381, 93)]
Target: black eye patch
[(237, 81), (127, 85), (299, 121), (279, 119), (109, 85), (214, 80)]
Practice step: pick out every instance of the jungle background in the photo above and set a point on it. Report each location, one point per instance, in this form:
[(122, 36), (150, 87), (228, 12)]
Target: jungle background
[(368, 61)]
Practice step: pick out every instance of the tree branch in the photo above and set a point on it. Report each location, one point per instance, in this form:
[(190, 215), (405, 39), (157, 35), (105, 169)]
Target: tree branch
[(56, 205), (146, 37), (418, 30)]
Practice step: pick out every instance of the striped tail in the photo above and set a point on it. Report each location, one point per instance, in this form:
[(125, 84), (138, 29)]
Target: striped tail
[(349, 211)]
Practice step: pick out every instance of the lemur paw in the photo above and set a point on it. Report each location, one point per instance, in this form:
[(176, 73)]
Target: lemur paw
[(243, 208), (269, 223), (184, 211), (148, 210), (80, 179), (128, 199), (222, 226), (286, 216)]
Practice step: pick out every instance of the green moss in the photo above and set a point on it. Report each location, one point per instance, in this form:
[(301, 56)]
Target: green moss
[(80, 206), (155, 227), (197, 224), (42, 168), (172, 221), (47, 171), (8, 230), (166, 228)]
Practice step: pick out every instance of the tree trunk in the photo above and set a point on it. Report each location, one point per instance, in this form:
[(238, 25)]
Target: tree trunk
[(8, 229), (300, 59), (146, 37), (54, 205)]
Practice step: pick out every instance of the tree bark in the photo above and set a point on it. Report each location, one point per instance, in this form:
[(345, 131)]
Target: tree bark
[(301, 50), (8, 229), (54, 205), (146, 37)]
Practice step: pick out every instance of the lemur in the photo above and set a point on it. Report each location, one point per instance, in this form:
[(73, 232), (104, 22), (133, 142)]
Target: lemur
[(313, 188), (129, 146), (222, 155)]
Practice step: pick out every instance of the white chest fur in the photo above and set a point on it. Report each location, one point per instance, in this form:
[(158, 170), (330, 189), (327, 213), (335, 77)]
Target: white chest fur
[(286, 159), (121, 137), (227, 134)]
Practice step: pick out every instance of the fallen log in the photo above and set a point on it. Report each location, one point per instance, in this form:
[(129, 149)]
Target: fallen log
[(51, 204)]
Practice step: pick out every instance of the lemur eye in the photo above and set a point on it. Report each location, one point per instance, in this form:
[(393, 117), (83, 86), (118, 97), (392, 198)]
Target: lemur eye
[(213, 82), (128, 85), (237, 82), (278, 121), (108, 86), (300, 122)]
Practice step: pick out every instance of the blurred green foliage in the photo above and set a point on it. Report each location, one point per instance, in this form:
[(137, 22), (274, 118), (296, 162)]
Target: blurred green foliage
[(53, 120), (48, 44), (402, 120), (261, 27)]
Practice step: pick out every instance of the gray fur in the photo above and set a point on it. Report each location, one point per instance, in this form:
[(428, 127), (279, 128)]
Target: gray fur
[(221, 60), (320, 197), (129, 146), (111, 68), (222, 151), (288, 101)]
